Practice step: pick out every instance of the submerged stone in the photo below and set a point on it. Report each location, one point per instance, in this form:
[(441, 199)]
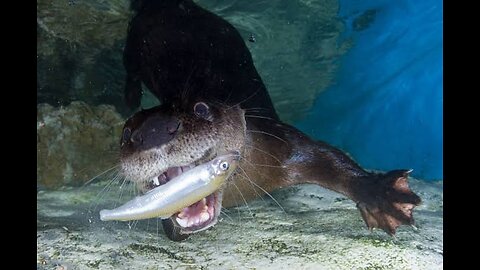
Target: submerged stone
[(75, 143)]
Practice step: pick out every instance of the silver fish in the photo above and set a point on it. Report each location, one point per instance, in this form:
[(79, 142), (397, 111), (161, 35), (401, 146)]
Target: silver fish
[(178, 193)]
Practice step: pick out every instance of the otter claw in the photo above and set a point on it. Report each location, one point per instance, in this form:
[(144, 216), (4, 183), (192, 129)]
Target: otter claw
[(386, 201)]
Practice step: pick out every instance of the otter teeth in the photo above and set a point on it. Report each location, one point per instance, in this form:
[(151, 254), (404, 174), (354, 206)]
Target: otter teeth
[(204, 217), (155, 181), (185, 219), (182, 222), (190, 221)]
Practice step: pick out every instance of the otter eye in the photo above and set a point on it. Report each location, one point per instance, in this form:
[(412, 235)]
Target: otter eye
[(224, 166), (202, 110), (126, 135)]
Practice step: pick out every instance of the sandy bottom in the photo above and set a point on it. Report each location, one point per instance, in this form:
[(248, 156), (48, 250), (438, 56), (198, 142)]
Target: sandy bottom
[(317, 229)]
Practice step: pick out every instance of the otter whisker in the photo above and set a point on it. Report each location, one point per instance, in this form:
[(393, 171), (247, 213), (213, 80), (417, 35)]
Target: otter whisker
[(115, 179), (263, 151), (119, 178), (100, 174), (136, 190), (260, 117), (234, 196), (186, 86), (266, 192), (110, 183), (245, 201), (102, 193), (250, 182), (269, 134), (266, 165), (249, 97), (135, 224), (255, 109), (158, 221), (108, 187), (122, 190), (253, 167), (248, 177), (99, 196), (222, 211), (228, 97), (132, 224), (123, 183)]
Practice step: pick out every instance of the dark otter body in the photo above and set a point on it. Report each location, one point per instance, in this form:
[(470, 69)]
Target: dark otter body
[(188, 56), (175, 47)]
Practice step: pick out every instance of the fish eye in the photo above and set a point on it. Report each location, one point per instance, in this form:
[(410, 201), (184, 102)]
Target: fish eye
[(224, 166)]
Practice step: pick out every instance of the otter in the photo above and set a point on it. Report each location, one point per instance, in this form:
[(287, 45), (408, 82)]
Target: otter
[(213, 102)]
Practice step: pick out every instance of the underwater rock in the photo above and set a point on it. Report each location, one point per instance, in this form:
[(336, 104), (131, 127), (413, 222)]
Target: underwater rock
[(75, 143), (79, 51), (93, 22)]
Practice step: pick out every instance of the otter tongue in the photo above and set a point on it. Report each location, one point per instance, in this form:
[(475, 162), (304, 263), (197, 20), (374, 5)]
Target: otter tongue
[(174, 172), (194, 209), (194, 215)]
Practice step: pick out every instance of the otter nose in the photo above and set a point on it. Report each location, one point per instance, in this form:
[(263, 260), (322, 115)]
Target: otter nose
[(154, 132)]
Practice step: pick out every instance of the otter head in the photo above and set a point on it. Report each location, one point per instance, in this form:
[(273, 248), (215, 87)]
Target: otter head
[(161, 143)]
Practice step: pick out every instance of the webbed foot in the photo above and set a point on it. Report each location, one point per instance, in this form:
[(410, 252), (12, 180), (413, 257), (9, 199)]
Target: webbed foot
[(386, 201)]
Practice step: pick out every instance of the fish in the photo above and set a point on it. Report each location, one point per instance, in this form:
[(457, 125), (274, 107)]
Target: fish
[(178, 193)]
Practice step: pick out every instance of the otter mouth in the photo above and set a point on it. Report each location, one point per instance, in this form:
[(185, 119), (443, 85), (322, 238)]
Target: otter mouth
[(200, 215)]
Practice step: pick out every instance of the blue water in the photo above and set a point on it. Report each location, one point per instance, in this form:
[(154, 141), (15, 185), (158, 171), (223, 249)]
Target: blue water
[(385, 107)]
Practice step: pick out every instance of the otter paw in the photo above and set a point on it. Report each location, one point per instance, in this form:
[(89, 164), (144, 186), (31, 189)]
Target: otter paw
[(387, 202)]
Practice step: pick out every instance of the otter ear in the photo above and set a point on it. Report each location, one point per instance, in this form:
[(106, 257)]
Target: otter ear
[(202, 110)]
